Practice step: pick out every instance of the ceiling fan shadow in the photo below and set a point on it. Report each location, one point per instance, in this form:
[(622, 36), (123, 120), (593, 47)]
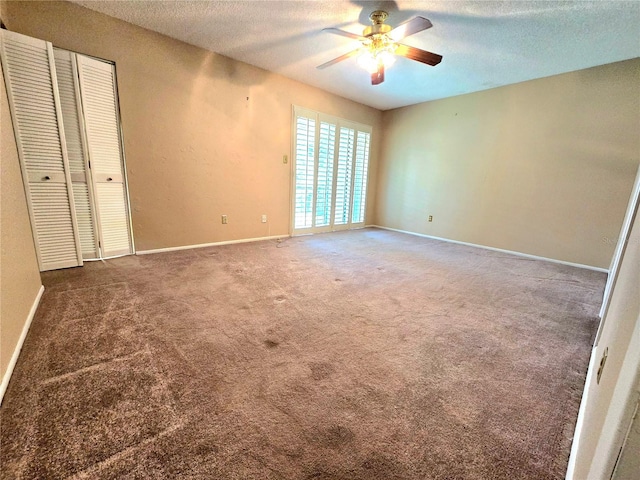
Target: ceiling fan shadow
[(279, 48), (389, 6)]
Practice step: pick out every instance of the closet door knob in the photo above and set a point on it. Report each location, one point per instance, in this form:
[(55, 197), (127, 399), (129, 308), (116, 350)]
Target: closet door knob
[(109, 179), (47, 177)]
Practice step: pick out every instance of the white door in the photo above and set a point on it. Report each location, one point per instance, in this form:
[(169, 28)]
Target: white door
[(66, 72), (30, 76), (98, 92), (331, 161)]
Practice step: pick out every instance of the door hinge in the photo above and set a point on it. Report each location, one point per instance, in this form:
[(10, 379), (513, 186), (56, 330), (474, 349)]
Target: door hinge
[(89, 162)]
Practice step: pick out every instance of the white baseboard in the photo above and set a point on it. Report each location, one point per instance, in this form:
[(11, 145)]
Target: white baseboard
[(16, 351), (501, 250), (214, 244)]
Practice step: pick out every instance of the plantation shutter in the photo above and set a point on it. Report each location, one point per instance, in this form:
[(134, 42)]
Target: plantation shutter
[(30, 75), (343, 177), (331, 158), (305, 152), (73, 129), (324, 175), (100, 108), (360, 171)]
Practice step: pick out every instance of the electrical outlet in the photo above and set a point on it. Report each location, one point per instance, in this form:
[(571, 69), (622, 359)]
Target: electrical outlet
[(431, 218), (264, 219), (224, 219)]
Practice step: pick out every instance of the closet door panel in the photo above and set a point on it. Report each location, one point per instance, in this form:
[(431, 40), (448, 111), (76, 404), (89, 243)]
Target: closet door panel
[(31, 86), (74, 132), (113, 218), (50, 204), (99, 103), (84, 213)]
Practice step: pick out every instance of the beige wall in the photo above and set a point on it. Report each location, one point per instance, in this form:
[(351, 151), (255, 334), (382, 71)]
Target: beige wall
[(19, 275), (204, 134), (543, 167)]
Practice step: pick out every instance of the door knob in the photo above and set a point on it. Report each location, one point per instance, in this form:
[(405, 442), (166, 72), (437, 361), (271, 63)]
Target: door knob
[(47, 177), (109, 179)]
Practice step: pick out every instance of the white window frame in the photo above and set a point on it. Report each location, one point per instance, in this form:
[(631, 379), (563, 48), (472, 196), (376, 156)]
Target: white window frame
[(339, 123)]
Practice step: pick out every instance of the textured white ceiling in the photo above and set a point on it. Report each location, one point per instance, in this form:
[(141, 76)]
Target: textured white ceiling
[(485, 44)]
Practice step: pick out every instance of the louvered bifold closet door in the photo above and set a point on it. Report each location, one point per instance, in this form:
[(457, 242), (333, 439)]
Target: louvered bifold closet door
[(100, 108), (30, 78), (66, 73)]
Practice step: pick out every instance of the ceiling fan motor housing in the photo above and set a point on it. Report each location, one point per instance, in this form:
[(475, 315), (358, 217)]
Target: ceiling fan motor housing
[(379, 27)]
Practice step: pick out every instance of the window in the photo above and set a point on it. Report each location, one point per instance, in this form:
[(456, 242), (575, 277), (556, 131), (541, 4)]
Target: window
[(331, 162)]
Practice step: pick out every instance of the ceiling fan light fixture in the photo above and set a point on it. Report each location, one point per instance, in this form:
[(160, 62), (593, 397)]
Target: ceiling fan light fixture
[(371, 61), (367, 61), (378, 51)]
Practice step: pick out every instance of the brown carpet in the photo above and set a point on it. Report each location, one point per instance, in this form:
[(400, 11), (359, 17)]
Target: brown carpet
[(363, 355)]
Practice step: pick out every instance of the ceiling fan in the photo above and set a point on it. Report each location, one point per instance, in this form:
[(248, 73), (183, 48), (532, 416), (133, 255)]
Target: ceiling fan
[(380, 44)]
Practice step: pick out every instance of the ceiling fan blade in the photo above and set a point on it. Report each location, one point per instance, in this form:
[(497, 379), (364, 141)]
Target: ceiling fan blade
[(415, 25), (378, 77), (418, 55), (350, 54), (344, 33)]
